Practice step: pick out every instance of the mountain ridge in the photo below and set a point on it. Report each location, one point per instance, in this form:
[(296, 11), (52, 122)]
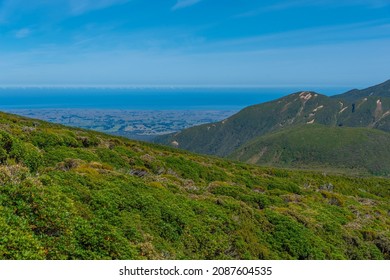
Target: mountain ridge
[(300, 108), (380, 90)]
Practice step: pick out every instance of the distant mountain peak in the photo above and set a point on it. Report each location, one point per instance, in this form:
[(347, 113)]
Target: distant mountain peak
[(369, 108), (306, 95), (380, 90)]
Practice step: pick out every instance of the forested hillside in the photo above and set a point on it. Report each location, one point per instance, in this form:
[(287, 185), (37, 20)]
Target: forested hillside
[(246, 135), (342, 149), (73, 194)]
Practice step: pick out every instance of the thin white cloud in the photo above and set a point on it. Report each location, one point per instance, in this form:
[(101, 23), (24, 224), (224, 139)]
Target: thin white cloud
[(180, 4), (340, 64), (22, 33)]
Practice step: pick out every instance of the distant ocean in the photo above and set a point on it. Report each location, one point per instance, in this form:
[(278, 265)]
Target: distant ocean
[(144, 98)]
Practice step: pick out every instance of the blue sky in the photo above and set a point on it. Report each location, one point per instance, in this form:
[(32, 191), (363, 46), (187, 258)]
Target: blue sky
[(195, 42)]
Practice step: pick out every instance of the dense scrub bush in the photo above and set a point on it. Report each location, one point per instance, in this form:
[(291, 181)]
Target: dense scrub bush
[(101, 197), (5, 141), (46, 139), (88, 141), (3, 155), (59, 154), (111, 157), (193, 170), (28, 154)]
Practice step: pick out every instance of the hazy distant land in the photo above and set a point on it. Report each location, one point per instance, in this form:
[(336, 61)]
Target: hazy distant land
[(134, 124), (136, 113)]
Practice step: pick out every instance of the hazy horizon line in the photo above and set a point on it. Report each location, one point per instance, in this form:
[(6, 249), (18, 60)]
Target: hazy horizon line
[(178, 86)]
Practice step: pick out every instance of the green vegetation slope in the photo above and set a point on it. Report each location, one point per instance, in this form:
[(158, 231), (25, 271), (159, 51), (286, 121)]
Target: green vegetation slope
[(369, 108), (73, 194), (222, 138), (316, 146), (381, 90)]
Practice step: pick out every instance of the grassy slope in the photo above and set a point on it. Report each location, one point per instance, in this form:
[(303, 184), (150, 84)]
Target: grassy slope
[(71, 194), (257, 134), (222, 138), (316, 146)]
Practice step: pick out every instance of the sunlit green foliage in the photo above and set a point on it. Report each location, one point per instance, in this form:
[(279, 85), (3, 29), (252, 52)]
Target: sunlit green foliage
[(84, 195), (352, 150)]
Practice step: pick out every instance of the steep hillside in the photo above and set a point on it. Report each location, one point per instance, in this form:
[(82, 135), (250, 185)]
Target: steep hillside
[(381, 90), (73, 194), (234, 133), (366, 112), (316, 146), (222, 138)]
